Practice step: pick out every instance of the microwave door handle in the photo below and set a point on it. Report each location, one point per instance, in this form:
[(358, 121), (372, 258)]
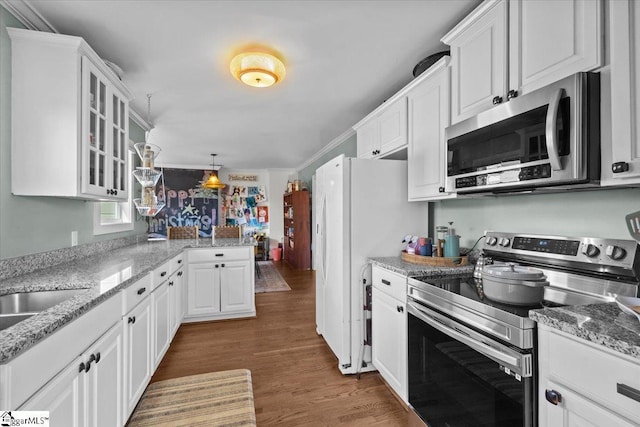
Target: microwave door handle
[(550, 130)]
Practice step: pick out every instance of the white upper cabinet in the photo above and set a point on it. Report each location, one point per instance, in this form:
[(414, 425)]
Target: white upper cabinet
[(428, 117), (622, 152), (70, 120), (478, 60), (384, 131), (506, 48)]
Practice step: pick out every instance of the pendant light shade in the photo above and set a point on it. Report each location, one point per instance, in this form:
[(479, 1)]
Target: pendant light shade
[(257, 69), (213, 182)]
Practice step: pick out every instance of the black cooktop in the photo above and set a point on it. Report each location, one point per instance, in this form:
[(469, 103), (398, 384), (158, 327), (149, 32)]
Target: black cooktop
[(470, 287)]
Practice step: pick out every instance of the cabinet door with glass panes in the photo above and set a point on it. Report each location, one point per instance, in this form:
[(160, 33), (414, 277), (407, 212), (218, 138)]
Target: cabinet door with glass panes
[(105, 127)]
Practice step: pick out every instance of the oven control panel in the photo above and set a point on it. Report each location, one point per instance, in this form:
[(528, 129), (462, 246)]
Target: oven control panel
[(605, 252)]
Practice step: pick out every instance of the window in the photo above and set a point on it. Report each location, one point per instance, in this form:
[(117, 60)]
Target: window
[(114, 217)]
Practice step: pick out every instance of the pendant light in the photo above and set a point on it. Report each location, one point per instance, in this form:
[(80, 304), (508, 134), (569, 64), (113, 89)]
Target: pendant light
[(257, 69), (213, 182)]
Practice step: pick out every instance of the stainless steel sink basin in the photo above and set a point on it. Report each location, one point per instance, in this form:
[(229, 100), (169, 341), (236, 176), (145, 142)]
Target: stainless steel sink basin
[(34, 302), (19, 306), (8, 320)]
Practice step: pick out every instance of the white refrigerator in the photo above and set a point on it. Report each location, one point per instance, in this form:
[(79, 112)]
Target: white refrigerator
[(361, 211)]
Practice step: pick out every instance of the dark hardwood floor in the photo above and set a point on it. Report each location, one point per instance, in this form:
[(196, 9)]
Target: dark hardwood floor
[(296, 381)]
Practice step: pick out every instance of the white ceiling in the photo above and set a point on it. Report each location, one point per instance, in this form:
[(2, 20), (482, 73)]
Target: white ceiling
[(343, 59)]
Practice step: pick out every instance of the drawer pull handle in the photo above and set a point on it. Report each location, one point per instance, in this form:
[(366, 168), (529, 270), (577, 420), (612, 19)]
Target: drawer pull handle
[(386, 282), (164, 273), (400, 308), (180, 273), (142, 291), (553, 396), (219, 254), (171, 283), (630, 392)]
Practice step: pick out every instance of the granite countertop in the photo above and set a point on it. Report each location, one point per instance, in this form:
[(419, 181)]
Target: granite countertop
[(408, 269), (102, 276), (603, 324)]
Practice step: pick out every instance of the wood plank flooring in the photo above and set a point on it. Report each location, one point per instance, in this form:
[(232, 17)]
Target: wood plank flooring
[(296, 381)]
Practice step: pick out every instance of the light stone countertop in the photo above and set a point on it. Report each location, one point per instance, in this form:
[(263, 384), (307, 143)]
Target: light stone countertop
[(602, 324), (396, 264), (101, 275)]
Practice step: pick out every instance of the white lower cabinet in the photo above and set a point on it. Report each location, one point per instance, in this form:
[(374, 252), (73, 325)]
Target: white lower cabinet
[(177, 300), (138, 337), (88, 392), (220, 284), (389, 329), (595, 389), (161, 324)]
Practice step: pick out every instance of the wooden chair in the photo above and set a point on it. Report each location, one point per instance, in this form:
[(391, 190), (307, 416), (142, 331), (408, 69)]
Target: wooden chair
[(227, 231), (182, 232)]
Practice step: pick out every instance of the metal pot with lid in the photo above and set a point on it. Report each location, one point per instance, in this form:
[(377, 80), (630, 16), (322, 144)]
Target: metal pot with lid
[(513, 284)]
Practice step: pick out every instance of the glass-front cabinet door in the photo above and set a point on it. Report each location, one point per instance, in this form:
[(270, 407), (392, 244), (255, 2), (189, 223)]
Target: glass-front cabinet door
[(104, 136), (119, 147)]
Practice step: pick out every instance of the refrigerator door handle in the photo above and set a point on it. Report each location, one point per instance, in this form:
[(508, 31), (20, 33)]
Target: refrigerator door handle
[(323, 222)]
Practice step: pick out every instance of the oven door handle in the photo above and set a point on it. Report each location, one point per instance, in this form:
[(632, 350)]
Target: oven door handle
[(551, 130), (498, 356)]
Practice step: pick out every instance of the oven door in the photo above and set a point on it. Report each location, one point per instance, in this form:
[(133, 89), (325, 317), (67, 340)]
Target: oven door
[(459, 377)]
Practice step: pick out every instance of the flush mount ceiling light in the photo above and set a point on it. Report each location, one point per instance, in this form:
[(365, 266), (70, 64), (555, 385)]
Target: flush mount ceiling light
[(213, 182), (257, 69)]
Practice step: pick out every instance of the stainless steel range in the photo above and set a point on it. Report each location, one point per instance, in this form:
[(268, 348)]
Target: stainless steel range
[(472, 346)]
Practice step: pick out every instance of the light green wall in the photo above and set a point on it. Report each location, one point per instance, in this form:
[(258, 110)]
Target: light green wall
[(348, 148), (37, 224), (598, 213)]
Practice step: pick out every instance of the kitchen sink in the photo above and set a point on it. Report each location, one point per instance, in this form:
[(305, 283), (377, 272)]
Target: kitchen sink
[(8, 320), (34, 302), (19, 306)]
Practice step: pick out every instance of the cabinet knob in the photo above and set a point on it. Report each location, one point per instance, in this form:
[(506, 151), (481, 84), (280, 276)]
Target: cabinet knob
[(142, 291), (131, 320), (164, 273), (81, 367), (171, 283), (512, 94), (400, 308), (222, 265), (97, 357), (217, 266), (180, 273), (497, 100), (553, 396), (441, 189), (115, 192), (620, 167)]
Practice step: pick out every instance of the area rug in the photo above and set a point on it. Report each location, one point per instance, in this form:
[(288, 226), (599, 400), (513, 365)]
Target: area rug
[(269, 279), (213, 399)]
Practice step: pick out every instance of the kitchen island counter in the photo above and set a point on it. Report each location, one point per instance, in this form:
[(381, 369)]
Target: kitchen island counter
[(396, 264), (602, 324), (101, 275)]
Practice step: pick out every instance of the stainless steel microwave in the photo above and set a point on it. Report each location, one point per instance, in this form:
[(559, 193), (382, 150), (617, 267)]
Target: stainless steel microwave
[(548, 139)]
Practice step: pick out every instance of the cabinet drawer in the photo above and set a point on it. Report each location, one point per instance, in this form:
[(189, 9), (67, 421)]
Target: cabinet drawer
[(177, 262), (599, 375), (391, 283), (135, 293), (161, 274), (221, 254)]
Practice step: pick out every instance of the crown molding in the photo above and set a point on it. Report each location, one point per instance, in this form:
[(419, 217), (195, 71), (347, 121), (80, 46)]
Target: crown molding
[(330, 146), (27, 15)]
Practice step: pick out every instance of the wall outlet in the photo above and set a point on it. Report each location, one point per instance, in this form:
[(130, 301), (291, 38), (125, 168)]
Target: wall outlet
[(74, 238)]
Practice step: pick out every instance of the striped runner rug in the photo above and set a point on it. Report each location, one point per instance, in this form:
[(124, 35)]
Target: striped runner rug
[(268, 279), (213, 399)]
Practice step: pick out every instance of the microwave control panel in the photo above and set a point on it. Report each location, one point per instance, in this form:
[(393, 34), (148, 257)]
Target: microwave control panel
[(511, 175)]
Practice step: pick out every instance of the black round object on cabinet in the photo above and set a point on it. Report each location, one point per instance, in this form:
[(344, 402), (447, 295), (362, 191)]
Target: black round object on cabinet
[(427, 62)]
